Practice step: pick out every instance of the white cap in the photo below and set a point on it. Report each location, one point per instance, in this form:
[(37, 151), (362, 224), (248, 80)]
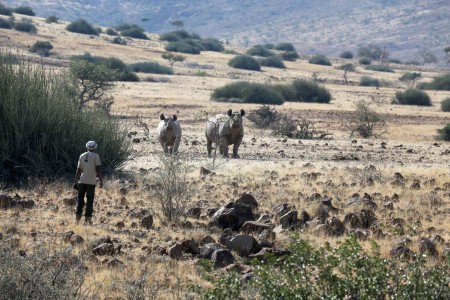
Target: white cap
[(91, 145)]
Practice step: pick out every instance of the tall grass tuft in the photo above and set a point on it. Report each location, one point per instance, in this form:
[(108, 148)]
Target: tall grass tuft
[(43, 132)]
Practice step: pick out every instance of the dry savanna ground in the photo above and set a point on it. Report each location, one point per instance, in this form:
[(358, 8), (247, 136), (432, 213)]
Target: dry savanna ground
[(405, 172)]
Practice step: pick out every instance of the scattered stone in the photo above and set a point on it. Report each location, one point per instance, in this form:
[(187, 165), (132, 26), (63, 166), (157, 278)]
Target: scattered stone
[(398, 222), (243, 244), (194, 212), (324, 229), (415, 186), (120, 224), (233, 215), (427, 246), (103, 249), (222, 258), (352, 220), (336, 225), (67, 235), (5, 201), (175, 252), (389, 205), (70, 200), (264, 218), (76, 239), (401, 251), (207, 250), (113, 263), (304, 217), (207, 239), (368, 218), (204, 172), (226, 237), (147, 222), (289, 220), (248, 200), (190, 246), (437, 239), (254, 226)]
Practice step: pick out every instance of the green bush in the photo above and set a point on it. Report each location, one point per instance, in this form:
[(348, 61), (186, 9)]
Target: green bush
[(211, 45), (24, 10), (394, 61), (309, 91), (126, 26), (287, 91), (118, 40), (175, 36), (412, 97), (380, 68), (188, 46), (6, 11), (289, 55), (346, 55), (263, 117), (245, 62), (273, 62), (111, 31), (444, 133), (369, 81), (441, 83), (445, 105), (372, 51), (259, 50), (319, 59), (134, 33), (5, 24), (25, 27), (285, 47), (410, 76), (81, 26), (347, 271), (151, 67), (43, 131), (348, 67), (247, 92), (52, 19), (42, 48), (269, 46), (365, 61)]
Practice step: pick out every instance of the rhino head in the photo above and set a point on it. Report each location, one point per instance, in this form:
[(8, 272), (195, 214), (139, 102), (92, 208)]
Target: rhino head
[(236, 118), (168, 122)]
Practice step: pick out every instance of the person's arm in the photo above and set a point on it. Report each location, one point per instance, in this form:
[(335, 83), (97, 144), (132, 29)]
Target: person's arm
[(77, 175), (99, 175)]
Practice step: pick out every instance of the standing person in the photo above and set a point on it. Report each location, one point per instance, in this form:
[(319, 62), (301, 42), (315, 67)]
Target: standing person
[(88, 170)]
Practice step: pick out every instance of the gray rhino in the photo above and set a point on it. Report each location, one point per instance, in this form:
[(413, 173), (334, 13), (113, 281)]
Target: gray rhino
[(169, 134), (225, 130)]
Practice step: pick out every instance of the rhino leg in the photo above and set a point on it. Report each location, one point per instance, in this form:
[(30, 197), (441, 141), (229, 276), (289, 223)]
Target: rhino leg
[(224, 146), (166, 148), (236, 146), (176, 145), (209, 146)]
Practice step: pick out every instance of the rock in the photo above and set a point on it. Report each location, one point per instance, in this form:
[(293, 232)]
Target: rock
[(113, 263), (222, 258), (389, 205), (401, 251), (5, 201), (207, 250), (70, 200), (264, 218), (435, 239), (76, 239), (226, 237), (175, 252), (243, 244), (248, 200), (254, 226), (120, 224), (304, 217), (147, 222), (366, 201), (415, 186), (352, 220), (194, 212), (207, 239), (360, 234), (190, 246), (204, 172), (289, 220), (282, 209), (103, 249), (233, 215), (336, 225), (398, 222), (186, 224), (314, 223), (367, 218), (324, 229), (67, 235), (426, 246), (322, 213)]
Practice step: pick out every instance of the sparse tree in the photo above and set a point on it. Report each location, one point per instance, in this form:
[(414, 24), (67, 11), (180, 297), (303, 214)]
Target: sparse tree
[(177, 23), (427, 57), (172, 58), (365, 121), (447, 52), (373, 52), (145, 20)]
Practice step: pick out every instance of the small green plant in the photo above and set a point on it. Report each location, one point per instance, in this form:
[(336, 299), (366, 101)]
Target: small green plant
[(380, 68), (52, 19), (247, 92), (42, 48), (309, 91), (445, 105), (24, 10), (412, 97), (273, 62), (284, 47), (81, 26), (289, 55), (245, 62), (348, 67), (365, 61), (151, 68), (201, 74), (25, 27), (440, 83), (5, 24), (259, 50), (297, 128), (369, 81), (211, 45), (111, 31), (410, 76), (319, 59), (394, 61), (175, 36), (444, 133), (134, 33), (5, 10), (346, 55), (188, 46)]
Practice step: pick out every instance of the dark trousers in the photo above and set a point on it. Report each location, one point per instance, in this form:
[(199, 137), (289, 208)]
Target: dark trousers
[(87, 190)]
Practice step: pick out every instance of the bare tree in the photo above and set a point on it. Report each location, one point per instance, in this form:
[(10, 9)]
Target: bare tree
[(427, 57), (447, 52), (365, 121), (177, 23)]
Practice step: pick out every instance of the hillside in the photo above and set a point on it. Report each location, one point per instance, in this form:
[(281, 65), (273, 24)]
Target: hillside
[(328, 27)]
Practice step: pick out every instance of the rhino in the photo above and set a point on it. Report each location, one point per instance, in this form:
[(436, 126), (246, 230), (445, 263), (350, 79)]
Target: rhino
[(169, 134), (225, 130)]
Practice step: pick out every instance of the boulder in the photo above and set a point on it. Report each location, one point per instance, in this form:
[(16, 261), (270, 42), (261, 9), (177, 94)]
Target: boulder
[(222, 258), (427, 246), (190, 246), (243, 244), (76, 239), (103, 249), (194, 212), (248, 200), (207, 250), (233, 215), (5, 201), (254, 226), (147, 222), (175, 252), (289, 219), (336, 225)]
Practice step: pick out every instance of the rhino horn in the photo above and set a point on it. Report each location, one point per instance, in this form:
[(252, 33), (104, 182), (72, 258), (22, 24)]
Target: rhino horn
[(242, 112), (162, 117), (174, 117), (230, 112)]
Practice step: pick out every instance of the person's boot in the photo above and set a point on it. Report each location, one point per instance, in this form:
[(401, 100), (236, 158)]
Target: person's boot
[(88, 220), (77, 218)]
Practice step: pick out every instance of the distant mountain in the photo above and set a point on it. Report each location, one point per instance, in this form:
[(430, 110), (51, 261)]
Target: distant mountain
[(325, 26)]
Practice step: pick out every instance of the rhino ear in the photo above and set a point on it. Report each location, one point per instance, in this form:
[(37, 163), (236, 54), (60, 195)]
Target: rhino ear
[(230, 112), (161, 117), (174, 117), (242, 112)]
